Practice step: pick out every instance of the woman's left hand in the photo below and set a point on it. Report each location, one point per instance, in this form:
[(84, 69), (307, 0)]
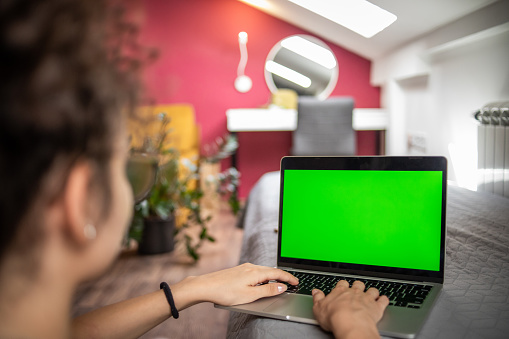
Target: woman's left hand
[(238, 285)]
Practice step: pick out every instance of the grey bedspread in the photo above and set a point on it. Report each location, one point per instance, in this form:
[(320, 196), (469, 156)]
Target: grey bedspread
[(475, 299)]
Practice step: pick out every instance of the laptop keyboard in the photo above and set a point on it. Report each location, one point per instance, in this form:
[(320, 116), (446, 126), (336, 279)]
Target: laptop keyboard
[(400, 294)]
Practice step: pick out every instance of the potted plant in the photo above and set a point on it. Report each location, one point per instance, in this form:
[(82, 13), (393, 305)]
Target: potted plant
[(174, 192)]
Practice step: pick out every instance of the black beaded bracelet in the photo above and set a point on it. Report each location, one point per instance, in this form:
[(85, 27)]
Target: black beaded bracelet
[(167, 292)]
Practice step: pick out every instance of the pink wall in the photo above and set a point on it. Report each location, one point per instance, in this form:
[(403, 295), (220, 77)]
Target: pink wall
[(199, 54)]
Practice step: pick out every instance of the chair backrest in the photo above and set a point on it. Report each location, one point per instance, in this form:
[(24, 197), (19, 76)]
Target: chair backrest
[(324, 127)]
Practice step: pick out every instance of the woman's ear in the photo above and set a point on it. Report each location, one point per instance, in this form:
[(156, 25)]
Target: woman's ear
[(76, 197)]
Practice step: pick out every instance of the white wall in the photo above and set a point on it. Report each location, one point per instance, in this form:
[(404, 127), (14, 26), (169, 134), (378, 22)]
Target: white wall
[(432, 86)]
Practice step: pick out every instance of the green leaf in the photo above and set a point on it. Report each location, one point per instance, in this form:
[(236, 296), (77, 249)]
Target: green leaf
[(203, 233), (234, 203), (192, 252)]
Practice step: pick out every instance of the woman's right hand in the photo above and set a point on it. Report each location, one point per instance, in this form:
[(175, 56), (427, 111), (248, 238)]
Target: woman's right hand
[(350, 312)]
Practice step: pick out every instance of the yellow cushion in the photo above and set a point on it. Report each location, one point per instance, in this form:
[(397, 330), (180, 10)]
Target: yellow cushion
[(285, 98)]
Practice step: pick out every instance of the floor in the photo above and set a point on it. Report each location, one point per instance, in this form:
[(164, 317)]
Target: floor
[(132, 275)]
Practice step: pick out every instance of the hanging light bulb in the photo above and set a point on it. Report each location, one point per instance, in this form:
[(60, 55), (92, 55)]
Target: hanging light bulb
[(243, 83)]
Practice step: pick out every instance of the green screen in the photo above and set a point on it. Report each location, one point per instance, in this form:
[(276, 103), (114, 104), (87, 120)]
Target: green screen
[(382, 218)]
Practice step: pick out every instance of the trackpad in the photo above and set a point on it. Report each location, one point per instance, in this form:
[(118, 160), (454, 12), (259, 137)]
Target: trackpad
[(293, 305)]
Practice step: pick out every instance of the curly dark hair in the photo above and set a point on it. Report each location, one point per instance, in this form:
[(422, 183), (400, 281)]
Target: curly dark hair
[(65, 85)]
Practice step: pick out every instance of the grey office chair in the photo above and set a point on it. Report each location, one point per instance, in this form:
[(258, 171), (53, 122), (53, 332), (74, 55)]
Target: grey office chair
[(324, 127)]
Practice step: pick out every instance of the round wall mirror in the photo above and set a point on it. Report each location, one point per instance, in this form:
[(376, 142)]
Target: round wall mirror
[(304, 64)]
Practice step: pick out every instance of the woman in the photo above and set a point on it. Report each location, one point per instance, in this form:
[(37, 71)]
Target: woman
[(65, 201)]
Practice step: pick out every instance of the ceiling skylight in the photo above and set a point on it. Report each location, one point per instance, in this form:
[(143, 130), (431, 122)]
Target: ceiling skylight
[(359, 16), (258, 3)]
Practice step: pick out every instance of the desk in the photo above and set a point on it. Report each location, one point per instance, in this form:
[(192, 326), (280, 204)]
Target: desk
[(261, 119), (279, 119)]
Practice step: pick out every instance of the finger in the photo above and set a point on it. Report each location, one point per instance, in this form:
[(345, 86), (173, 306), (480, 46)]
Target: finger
[(358, 285), (340, 287), (373, 292), (279, 275), (317, 295), (383, 301), (343, 284), (263, 274), (269, 290)]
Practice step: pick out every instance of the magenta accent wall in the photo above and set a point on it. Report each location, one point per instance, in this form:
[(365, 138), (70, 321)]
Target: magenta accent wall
[(199, 55)]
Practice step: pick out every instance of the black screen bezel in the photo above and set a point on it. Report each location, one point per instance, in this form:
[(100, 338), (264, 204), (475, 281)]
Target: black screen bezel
[(390, 163)]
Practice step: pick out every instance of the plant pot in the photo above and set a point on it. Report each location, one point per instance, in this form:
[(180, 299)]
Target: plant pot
[(158, 236)]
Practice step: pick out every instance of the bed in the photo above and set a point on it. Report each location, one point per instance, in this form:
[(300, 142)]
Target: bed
[(475, 299)]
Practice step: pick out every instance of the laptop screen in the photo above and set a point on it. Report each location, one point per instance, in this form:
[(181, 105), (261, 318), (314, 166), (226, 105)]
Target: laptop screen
[(386, 218)]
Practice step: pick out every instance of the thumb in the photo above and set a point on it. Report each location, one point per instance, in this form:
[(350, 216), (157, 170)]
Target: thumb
[(271, 289), (317, 295)]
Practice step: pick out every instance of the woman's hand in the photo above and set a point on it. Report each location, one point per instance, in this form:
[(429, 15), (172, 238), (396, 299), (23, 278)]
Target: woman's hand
[(238, 285), (349, 312)]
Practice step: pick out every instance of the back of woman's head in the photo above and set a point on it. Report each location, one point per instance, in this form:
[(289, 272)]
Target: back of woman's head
[(62, 94)]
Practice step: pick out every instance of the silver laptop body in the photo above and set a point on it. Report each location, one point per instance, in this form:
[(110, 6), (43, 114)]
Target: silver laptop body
[(331, 209)]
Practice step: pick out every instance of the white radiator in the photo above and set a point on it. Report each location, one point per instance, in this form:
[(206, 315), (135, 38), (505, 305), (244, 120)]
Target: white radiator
[(493, 148)]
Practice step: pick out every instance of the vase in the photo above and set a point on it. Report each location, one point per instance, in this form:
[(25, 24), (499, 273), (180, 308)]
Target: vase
[(209, 176), (158, 236)]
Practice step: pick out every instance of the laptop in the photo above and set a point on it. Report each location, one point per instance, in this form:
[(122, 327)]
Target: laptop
[(376, 219)]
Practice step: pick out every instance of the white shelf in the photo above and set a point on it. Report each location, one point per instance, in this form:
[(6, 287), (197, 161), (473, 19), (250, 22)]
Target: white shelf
[(261, 119), (278, 119)]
